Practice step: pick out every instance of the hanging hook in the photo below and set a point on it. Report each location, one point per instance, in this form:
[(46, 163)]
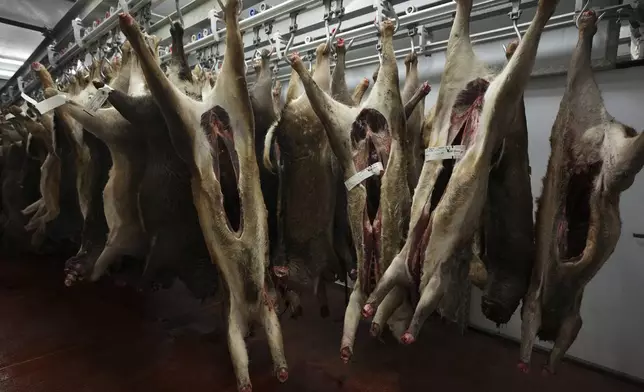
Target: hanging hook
[(584, 8), (177, 6), (514, 15), (330, 37), (286, 49)]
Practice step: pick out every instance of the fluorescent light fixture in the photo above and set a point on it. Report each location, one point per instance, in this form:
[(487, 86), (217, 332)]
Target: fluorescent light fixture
[(11, 61), (5, 73)]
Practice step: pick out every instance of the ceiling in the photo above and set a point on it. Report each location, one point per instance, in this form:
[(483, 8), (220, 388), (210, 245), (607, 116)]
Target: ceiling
[(16, 43)]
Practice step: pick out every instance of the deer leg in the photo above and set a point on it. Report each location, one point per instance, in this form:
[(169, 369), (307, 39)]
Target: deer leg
[(320, 293), (565, 337), (33, 207), (530, 326), (351, 320), (432, 294), (388, 306), (420, 93), (359, 91), (237, 328), (335, 117), (275, 343), (392, 277), (514, 77)]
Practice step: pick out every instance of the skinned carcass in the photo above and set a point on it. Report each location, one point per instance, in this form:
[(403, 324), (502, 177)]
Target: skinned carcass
[(473, 110), (594, 159), (310, 186), (415, 150), (506, 237), (213, 137), (365, 138)]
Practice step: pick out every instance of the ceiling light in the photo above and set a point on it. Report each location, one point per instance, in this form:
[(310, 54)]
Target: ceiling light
[(5, 73), (11, 61)]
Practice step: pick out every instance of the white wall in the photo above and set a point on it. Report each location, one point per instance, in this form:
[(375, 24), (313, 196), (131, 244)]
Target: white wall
[(612, 310)]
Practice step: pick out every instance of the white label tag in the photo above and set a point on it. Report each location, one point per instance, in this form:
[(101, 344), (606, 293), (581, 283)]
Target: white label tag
[(357, 178), (88, 60), (29, 99), (446, 152), (51, 103), (98, 99), (9, 116)]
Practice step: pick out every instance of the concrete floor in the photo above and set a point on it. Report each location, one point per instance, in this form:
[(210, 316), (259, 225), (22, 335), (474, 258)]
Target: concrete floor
[(98, 338)]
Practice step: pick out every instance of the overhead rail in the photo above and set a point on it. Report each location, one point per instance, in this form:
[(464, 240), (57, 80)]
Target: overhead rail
[(279, 21)]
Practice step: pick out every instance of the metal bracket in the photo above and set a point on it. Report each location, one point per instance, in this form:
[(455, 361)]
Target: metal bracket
[(77, 26), (426, 38), (292, 28), (52, 56), (214, 17), (124, 6), (268, 28), (256, 39)]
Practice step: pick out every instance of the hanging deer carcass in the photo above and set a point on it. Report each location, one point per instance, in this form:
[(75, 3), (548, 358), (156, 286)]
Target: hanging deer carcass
[(474, 108)]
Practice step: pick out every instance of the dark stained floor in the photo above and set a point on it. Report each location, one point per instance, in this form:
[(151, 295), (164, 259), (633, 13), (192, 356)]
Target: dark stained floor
[(105, 338)]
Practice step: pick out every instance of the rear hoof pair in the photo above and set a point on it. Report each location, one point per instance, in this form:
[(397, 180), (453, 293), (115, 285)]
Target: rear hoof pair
[(524, 368), (281, 374)]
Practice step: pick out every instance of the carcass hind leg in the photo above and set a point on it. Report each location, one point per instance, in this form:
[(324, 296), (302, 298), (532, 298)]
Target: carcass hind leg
[(432, 294), (320, 293), (388, 306), (237, 327), (566, 336), (351, 320), (388, 281), (275, 342), (530, 326)]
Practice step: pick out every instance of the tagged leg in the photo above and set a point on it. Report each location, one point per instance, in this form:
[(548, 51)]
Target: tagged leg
[(351, 320), (530, 326), (565, 337), (275, 343)]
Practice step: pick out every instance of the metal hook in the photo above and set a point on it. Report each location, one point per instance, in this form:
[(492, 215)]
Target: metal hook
[(177, 6), (515, 14), (585, 7), (286, 49)]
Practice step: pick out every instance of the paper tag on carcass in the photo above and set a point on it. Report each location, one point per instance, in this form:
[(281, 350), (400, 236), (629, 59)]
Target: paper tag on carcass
[(27, 98), (98, 99), (362, 175), (51, 103), (445, 152)]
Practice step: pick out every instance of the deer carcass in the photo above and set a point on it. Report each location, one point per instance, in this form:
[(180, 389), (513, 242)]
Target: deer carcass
[(594, 159), (368, 140), (212, 137), (127, 148), (310, 254), (473, 110), (506, 237), (264, 114)]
